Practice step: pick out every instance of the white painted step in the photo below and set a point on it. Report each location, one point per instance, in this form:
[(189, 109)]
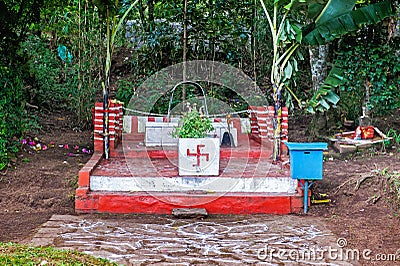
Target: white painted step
[(190, 183)]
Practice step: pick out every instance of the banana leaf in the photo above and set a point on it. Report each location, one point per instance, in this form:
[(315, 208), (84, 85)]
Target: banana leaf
[(334, 9), (340, 23), (325, 94)]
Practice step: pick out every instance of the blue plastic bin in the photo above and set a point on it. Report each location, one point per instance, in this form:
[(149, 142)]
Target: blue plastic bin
[(306, 160)]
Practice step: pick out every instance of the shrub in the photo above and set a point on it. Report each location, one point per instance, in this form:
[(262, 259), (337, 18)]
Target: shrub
[(375, 64), (12, 115), (193, 125), (45, 75), (56, 84)]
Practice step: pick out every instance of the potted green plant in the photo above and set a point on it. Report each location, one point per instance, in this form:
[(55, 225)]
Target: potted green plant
[(198, 151), (193, 125)]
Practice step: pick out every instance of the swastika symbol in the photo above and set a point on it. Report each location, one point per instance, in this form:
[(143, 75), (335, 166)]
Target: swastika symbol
[(198, 154)]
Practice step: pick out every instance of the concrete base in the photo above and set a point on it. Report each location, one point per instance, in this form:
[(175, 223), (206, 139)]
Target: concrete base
[(262, 196), (164, 203), (139, 179)]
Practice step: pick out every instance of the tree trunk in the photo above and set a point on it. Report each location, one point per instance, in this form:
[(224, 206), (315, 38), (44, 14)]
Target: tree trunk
[(253, 43), (277, 124), (150, 4), (318, 56), (143, 17), (318, 65), (184, 48)]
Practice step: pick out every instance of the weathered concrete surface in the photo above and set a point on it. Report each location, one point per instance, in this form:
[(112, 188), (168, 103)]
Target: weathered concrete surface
[(217, 240), (185, 213)]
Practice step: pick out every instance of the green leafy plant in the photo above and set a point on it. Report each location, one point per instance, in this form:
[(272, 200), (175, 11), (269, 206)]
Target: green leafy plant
[(391, 181), (392, 133), (126, 89), (193, 125)]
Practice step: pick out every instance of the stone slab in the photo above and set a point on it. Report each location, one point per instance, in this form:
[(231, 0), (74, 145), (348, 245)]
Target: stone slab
[(347, 148), (189, 213)]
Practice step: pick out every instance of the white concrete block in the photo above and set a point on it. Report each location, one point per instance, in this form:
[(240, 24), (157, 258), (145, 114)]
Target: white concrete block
[(142, 120), (245, 125), (160, 134), (198, 156), (127, 124)]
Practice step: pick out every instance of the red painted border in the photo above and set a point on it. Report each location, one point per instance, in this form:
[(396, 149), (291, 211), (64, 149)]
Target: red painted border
[(164, 203), (84, 178)]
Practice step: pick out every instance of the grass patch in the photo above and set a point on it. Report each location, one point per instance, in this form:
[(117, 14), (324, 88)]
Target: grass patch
[(394, 184), (15, 254)]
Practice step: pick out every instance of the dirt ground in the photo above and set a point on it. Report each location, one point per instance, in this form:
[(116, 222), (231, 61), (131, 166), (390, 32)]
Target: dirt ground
[(42, 183)]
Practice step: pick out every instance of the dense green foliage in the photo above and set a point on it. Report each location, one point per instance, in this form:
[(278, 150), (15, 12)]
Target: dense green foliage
[(11, 112), (73, 43), (374, 65), (217, 30), (226, 31), (48, 86), (17, 19), (53, 54), (13, 254), (193, 125)]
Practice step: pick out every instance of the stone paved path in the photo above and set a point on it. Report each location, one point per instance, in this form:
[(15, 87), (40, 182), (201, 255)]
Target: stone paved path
[(217, 240)]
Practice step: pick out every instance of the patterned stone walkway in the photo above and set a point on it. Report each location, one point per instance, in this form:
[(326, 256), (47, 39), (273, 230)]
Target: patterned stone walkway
[(217, 240)]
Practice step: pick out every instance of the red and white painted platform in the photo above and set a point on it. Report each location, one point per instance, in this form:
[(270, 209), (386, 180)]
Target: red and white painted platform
[(140, 179)]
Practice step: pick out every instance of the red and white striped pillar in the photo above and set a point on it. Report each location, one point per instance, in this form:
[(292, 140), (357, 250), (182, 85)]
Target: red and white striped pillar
[(261, 123), (253, 121), (115, 124), (284, 129), (262, 118), (98, 127)]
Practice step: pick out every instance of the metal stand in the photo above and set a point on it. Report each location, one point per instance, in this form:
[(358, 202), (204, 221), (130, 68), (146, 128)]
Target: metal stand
[(305, 187)]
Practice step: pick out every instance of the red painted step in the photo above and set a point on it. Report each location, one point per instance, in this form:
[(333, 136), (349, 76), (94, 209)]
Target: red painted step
[(164, 203)]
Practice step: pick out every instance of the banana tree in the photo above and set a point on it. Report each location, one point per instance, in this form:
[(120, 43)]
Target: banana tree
[(330, 20), (109, 11)]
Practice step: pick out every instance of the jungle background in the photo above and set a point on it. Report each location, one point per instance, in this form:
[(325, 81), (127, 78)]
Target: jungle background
[(54, 58)]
